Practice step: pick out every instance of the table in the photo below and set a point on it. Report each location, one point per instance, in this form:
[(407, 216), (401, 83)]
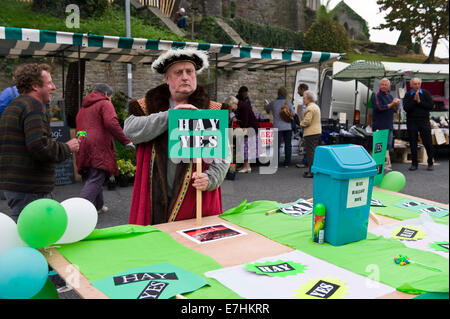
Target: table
[(229, 252)]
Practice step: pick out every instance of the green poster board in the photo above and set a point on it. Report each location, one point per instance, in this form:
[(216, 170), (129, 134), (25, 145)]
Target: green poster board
[(198, 134), (379, 153), (160, 281)]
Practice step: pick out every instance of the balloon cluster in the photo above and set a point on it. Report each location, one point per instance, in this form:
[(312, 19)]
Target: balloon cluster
[(401, 260), (42, 223), (81, 135)]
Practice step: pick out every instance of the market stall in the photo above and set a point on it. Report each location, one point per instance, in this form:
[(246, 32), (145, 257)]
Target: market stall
[(24, 42), (435, 78)]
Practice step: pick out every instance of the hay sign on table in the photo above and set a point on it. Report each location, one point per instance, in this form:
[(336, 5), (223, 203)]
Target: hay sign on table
[(197, 134)]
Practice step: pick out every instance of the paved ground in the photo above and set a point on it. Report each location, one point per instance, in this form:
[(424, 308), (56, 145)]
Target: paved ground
[(286, 185)]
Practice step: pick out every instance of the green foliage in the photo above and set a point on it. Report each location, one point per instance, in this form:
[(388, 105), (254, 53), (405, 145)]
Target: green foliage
[(119, 100), (124, 153), (326, 35), (265, 35), (126, 168), (426, 19), (252, 33), (88, 8), (111, 22), (211, 32)]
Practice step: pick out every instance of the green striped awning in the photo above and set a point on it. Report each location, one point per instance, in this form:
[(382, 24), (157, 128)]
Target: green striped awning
[(15, 42), (364, 70)]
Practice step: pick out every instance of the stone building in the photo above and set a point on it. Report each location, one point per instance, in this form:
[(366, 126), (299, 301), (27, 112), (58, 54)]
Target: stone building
[(288, 14)]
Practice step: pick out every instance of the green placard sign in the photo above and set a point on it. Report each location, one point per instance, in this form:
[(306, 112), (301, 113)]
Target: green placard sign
[(198, 134), (379, 153)]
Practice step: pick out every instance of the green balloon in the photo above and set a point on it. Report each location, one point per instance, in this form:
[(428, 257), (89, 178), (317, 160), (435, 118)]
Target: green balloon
[(393, 181), (42, 223), (47, 292)]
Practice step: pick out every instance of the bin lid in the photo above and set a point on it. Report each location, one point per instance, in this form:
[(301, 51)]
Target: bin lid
[(343, 161)]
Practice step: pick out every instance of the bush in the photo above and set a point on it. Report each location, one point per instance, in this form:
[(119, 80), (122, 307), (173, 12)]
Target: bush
[(265, 35), (126, 168), (252, 33), (326, 35), (119, 101), (88, 8)]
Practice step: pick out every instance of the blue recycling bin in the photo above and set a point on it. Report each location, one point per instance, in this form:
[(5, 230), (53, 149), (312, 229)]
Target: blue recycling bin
[(343, 182)]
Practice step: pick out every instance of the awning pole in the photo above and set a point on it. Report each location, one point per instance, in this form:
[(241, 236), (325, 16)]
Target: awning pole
[(367, 102), (62, 80), (356, 99), (318, 82), (129, 66), (216, 75), (79, 80)]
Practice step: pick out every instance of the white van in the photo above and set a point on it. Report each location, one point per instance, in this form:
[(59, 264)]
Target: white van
[(337, 98), (334, 97)]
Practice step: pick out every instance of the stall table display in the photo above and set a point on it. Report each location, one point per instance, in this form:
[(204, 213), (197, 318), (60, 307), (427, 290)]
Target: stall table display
[(267, 244)]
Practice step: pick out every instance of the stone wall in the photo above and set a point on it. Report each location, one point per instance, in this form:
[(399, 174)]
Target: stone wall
[(262, 85), (280, 13)]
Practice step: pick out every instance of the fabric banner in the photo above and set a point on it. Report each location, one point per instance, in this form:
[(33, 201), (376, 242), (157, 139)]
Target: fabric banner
[(334, 282), (112, 250), (375, 254), (380, 138)]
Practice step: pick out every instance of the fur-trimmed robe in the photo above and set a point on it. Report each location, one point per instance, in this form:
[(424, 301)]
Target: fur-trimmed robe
[(150, 203)]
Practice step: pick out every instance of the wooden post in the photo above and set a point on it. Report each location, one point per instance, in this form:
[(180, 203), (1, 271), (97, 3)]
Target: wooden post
[(199, 195), (374, 218)]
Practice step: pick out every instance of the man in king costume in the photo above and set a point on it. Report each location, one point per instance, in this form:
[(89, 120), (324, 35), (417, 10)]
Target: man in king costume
[(165, 191)]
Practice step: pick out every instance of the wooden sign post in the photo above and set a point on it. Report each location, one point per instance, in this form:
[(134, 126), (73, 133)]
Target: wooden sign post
[(199, 195), (198, 134)]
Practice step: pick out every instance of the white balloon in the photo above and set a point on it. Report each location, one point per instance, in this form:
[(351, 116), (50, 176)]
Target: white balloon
[(81, 219), (9, 236)]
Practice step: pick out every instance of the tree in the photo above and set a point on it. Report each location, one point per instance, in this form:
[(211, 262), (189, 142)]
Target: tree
[(326, 34), (427, 20)]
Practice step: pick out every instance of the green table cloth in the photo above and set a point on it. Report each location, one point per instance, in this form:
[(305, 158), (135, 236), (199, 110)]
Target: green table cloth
[(111, 250), (372, 257)]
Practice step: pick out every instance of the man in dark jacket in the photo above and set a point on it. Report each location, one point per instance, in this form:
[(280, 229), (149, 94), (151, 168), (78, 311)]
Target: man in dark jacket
[(28, 153), (384, 106), (418, 103), (96, 159)]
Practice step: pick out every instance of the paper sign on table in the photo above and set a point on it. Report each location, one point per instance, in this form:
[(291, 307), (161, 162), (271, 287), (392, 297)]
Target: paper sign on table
[(161, 281)]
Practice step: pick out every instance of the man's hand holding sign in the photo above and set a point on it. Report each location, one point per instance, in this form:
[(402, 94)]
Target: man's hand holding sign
[(195, 135)]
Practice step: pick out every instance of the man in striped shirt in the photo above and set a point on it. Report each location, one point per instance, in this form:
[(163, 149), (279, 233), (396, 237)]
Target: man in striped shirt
[(28, 153)]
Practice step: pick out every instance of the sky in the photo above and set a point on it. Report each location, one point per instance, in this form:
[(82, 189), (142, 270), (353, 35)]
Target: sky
[(369, 11)]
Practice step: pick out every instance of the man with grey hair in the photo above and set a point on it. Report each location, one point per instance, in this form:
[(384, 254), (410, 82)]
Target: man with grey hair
[(164, 189), (96, 159), (312, 128), (418, 103), (384, 106)]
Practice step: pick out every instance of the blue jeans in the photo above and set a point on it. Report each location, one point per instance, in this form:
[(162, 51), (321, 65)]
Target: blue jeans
[(286, 137)]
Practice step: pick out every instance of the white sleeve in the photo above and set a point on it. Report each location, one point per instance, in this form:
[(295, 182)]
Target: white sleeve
[(141, 129)]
